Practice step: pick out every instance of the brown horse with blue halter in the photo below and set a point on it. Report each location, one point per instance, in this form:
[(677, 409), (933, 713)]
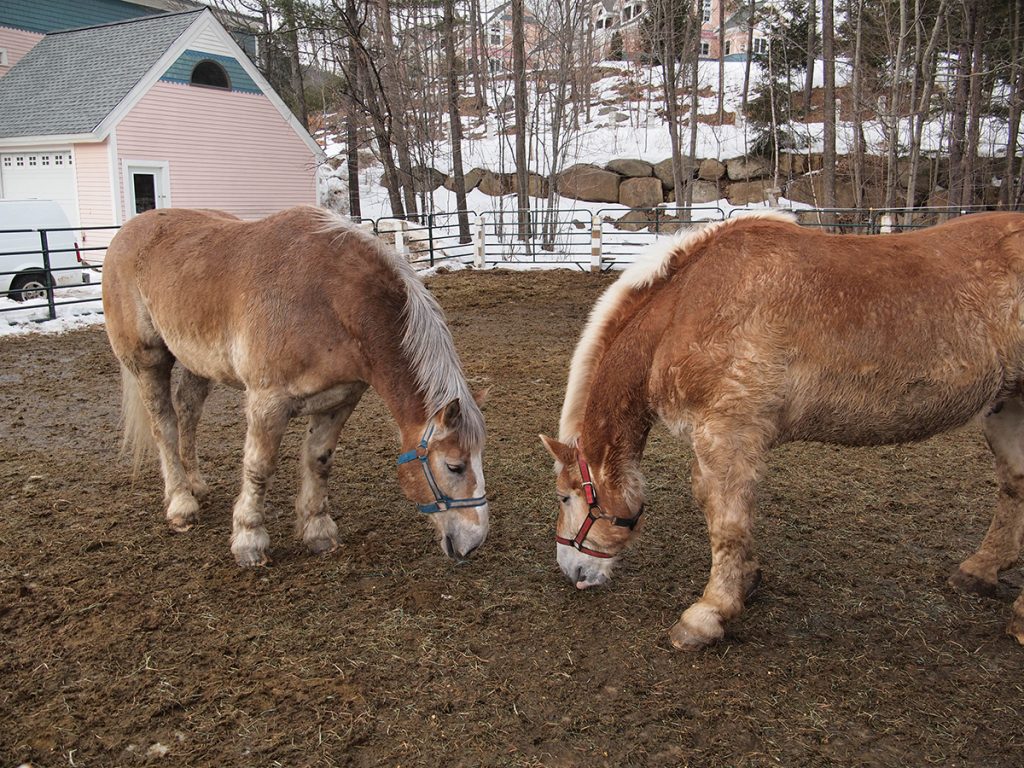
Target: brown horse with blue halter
[(303, 311)]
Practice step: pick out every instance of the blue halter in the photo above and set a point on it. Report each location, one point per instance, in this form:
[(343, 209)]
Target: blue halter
[(442, 501)]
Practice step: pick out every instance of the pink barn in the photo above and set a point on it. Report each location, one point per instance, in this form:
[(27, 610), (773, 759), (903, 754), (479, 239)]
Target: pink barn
[(114, 119)]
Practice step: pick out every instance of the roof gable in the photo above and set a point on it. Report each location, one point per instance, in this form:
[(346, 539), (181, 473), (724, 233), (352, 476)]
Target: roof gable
[(70, 81)]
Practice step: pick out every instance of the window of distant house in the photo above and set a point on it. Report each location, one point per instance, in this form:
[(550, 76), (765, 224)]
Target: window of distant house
[(3, 57), (728, 47), (705, 11), (497, 35), (705, 49), (494, 65), (632, 11), (605, 22), (760, 45), (210, 74)]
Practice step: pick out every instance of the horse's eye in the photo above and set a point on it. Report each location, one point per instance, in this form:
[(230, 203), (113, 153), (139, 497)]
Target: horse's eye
[(456, 469), (563, 499)]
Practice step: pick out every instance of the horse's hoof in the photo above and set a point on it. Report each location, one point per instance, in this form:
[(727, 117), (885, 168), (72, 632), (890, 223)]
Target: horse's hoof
[(182, 513), (970, 584), (181, 526), (684, 639), (699, 626), (1015, 629), (252, 559), (322, 546)]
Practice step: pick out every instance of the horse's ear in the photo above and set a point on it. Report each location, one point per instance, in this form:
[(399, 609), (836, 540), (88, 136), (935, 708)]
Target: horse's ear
[(451, 414), (561, 452), (481, 395)]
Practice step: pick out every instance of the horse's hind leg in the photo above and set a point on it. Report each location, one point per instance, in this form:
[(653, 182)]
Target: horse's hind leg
[(267, 419), (151, 368), (189, 396), (1001, 546), (725, 473), (312, 512)]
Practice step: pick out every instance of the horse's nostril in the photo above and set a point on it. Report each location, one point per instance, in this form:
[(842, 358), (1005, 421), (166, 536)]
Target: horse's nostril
[(449, 548)]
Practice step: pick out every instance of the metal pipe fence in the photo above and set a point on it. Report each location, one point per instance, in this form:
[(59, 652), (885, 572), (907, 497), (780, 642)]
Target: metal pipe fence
[(599, 239)]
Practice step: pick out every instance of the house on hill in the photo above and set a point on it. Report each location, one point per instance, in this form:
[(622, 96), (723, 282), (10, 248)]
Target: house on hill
[(145, 112)]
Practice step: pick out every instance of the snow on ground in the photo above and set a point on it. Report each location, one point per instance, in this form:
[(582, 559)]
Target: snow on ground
[(18, 318)]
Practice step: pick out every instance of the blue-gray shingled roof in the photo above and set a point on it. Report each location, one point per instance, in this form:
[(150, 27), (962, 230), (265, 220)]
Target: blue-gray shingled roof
[(70, 81)]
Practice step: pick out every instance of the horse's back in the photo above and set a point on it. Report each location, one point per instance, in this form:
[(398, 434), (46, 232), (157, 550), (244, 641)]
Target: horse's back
[(858, 339), (221, 292)]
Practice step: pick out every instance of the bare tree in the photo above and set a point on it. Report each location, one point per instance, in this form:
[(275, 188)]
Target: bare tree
[(829, 107), (519, 98), (454, 120)]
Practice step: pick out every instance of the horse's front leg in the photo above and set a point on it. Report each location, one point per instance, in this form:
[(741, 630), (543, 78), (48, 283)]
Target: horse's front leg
[(724, 475), (312, 511), (267, 419)]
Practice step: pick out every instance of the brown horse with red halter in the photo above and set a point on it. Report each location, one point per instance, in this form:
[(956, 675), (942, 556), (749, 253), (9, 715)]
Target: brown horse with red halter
[(750, 333)]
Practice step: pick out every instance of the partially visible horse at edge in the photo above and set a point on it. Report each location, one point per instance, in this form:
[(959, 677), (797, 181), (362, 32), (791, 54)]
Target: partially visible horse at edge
[(754, 332), (303, 311)]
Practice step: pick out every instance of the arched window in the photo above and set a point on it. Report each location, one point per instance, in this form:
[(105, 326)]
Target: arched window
[(211, 74)]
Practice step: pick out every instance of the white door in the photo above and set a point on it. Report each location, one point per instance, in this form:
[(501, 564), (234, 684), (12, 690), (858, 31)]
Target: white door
[(146, 186), (44, 175)]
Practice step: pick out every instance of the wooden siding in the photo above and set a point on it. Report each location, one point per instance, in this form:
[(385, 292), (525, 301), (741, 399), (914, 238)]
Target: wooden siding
[(181, 70), (95, 197), (17, 43), (226, 150)]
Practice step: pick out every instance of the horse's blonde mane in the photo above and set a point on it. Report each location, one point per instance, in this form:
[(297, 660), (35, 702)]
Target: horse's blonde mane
[(657, 264), (427, 342)]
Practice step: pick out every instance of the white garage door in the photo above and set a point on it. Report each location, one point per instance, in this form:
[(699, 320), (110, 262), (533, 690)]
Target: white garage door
[(43, 175)]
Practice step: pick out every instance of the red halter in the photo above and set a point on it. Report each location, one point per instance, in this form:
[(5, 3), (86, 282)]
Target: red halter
[(590, 494)]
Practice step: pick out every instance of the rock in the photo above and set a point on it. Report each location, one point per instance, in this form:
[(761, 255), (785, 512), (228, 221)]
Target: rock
[(634, 221), (663, 171), (536, 185), (589, 183), (744, 192), (494, 184), (641, 193), (472, 178), (703, 192), (791, 164), (710, 169), (746, 168), (426, 178), (631, 168), (810, 189)]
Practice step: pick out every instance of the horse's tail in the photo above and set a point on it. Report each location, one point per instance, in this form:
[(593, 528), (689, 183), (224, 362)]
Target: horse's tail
[(137, 435)]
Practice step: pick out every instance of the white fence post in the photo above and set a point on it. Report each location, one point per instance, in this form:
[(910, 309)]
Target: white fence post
[(400, 238), (479, 246), (595, 243), (885, 223)]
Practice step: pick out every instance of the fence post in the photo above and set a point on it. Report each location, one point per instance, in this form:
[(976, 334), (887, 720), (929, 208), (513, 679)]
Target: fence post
[(595, 243), (47, 275), (885, 222), (479, 247), (400, 237), (430, 236)]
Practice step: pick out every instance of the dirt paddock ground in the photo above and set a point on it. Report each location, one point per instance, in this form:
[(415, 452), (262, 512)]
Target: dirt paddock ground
[(123, 644)]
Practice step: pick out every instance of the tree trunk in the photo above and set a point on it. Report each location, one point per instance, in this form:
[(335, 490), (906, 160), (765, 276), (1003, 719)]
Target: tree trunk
[(351, 126), (922, 108), (721, 62), (967, 196), (856, 11), (291, 37), (455, 121), (958, 115), (829, 107), (519, 100), (749, 57), (1007, 191), (809, 81)]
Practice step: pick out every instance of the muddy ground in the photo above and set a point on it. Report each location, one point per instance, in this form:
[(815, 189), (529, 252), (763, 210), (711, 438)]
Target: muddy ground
[(122, 644)]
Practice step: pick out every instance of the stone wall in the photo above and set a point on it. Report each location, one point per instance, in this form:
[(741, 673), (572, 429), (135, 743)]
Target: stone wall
[(638, 183)]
